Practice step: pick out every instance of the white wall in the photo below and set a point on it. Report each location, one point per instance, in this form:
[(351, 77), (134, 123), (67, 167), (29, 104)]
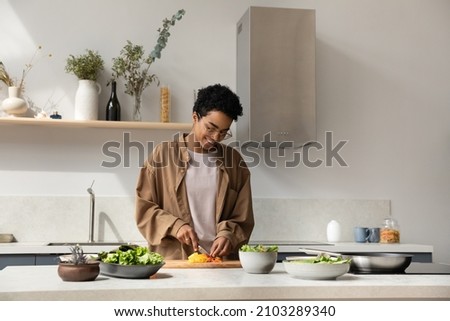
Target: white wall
[(383, 84)]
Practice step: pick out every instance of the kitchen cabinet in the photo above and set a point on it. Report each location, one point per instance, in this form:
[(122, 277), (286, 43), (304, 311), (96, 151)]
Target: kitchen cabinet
[(47, 259), (13, 260), (27, 259)]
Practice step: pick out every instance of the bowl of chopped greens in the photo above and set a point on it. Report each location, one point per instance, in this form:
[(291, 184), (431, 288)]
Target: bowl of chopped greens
[(130, 262), (321, 267), (258, 259)]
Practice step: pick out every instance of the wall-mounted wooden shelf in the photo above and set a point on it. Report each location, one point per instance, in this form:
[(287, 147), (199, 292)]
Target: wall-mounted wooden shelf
[(45, 122)]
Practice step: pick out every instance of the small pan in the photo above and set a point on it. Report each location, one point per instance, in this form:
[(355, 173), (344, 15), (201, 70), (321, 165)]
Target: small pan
[(377, 263)]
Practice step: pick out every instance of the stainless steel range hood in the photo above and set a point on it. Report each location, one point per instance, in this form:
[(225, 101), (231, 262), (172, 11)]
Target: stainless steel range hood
[(276, 76)]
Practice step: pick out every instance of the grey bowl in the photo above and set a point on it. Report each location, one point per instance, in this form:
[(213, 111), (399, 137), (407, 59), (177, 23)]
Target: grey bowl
[(129, 271)]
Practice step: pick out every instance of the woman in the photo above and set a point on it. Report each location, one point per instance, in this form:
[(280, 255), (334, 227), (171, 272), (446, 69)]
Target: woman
[(195, 190)]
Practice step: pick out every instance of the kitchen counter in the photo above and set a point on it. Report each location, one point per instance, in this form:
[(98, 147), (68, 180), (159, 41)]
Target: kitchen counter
[(353, 247), (37, 253), (288, 247), (420, 252), (43, 283), (44, 248), (40, 253), (350, 247)]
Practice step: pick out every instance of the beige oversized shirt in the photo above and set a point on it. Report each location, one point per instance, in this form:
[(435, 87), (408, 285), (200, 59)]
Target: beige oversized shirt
[(162, 203)]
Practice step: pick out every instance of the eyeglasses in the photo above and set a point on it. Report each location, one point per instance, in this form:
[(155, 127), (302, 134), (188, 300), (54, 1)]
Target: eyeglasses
[(210, 131)]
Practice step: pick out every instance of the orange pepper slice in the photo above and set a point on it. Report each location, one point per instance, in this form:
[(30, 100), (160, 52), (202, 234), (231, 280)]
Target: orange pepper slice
[(203, 258)]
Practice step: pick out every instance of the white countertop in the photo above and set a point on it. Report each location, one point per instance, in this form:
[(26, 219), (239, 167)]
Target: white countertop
[(374, 247), (43, 283), (43, 248)]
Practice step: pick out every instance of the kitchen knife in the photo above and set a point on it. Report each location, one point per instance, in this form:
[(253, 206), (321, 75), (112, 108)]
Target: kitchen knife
[(202, 250)]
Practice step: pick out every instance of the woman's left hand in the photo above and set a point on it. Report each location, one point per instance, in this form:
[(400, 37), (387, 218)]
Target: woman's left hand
[(220, 247)]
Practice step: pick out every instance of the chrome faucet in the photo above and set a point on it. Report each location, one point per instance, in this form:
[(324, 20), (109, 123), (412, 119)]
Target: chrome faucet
[(91, 214)]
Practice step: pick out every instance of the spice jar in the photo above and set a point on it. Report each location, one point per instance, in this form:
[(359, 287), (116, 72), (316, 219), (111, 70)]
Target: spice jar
[(390, 231)]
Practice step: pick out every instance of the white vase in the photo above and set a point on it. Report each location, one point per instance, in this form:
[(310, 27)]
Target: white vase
[(333, 231), (14, 104), (86, 100)]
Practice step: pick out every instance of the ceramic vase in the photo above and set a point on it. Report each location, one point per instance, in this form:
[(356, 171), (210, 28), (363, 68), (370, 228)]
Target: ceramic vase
[(14, 105), (333, 231), (78, 272), (86, 100)]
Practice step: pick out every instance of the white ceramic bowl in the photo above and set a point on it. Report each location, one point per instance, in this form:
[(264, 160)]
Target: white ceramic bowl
[(258, 262), (301, 269)]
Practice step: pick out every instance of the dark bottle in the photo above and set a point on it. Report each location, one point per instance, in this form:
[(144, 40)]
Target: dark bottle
[(56, 115), (113, 106)]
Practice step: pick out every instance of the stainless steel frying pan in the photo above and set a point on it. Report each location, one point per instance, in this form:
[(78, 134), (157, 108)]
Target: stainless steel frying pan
[(390, 263)]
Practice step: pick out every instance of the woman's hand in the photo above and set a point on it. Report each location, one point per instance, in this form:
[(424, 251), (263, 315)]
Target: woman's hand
[(186, 235), (221, 247)]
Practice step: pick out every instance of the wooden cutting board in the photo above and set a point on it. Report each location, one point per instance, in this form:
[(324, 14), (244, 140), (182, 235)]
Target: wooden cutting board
[(185, 264)]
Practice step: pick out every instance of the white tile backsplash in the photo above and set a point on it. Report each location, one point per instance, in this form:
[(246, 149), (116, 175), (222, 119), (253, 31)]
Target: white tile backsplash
[(66, 218), (307, 220)]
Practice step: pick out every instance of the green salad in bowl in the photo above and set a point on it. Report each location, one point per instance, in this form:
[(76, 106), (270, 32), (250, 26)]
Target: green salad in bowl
[(131, 255), (130, 261), (321, 267), (321, 259), (258, 259), (258, 248)]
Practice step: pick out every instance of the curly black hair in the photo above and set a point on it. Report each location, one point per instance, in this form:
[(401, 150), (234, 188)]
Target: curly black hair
[(218, 98)]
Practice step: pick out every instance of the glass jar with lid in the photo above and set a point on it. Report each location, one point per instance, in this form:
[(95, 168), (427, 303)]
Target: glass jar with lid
[(390, 231)]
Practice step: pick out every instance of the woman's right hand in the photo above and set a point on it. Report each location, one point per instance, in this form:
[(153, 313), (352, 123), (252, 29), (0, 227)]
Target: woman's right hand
[(186, 235)]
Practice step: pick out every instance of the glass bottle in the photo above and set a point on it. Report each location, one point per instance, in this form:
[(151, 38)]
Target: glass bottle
[(165, 104), (55, 115), (390, 231), (113, 106)]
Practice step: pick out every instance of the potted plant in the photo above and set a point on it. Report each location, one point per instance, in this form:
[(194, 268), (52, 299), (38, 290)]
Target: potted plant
[(77, 266), (86, 68), (134, 65)]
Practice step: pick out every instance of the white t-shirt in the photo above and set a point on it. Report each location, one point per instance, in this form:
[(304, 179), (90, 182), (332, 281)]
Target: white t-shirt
[(201, 185)]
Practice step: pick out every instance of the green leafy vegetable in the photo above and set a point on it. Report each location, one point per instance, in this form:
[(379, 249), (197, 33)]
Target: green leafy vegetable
[(259, 248), (131, 255), (323, 259)]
